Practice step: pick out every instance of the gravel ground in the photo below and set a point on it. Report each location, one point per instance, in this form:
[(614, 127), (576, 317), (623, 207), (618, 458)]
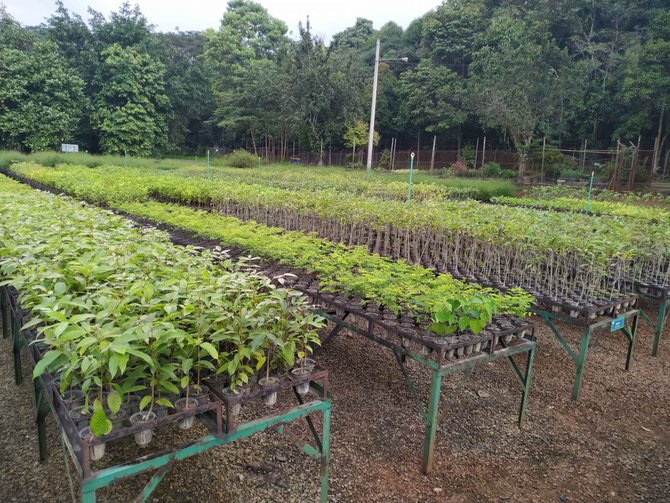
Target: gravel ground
[(611, 446)]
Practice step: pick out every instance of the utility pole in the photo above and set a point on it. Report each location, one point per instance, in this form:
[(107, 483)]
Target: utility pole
[(373, 109)]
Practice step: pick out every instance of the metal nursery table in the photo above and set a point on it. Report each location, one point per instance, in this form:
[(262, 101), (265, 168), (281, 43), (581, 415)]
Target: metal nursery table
[(441, 359), (221, 431)]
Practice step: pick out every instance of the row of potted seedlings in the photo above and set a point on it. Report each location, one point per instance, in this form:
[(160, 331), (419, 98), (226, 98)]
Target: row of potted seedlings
[(100, 413)]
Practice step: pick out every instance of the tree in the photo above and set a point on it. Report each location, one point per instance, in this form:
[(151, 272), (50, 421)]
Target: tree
[(433, 95), (516, 79), (645, 89), (40, 98), (357, 134), (129, 112)]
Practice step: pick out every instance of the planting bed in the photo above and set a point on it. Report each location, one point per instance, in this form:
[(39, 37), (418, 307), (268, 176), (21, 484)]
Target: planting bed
[(566, 258), (119, 323)]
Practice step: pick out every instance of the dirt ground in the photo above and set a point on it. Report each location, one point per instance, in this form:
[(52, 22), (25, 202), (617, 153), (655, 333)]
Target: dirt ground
[(613, 445)]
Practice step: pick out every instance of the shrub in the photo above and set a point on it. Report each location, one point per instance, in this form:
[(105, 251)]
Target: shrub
[(385, 160), (240, 159), (494, 170), (355, 165)]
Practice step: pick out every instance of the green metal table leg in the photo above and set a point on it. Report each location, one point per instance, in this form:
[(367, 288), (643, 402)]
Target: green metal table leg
[(16, 338), (153, 484), (581, 362), (325, 455), (431, 422), (662, 313), (526, 384), (41, 412), (4, 313), (87, 496), (631, 341)]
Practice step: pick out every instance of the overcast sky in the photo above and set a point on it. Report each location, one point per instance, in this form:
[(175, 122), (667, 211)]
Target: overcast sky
[(326, 17)]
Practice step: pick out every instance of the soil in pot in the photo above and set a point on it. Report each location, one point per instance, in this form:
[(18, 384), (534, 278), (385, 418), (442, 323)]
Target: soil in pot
[(183, 404), (143, 437), (73, 397), (97, 451), (80, 416), (271, 398), (118, 419), (302, 388), (201, 395)]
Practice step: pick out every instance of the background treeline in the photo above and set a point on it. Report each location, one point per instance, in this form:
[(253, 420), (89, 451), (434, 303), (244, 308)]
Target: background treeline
[(516, 71)]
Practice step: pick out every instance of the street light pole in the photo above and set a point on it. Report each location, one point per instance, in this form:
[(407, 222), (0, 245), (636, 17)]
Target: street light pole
[(373, 109)]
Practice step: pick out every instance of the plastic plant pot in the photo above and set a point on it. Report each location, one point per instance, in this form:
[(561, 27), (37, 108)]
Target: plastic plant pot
[(143, 437), (405, 342), (118, 419), (97, 451), (73, 397), (303, 388), (80, 416), (309, 363), (183, 404), (271, 398), (426, 350), (201, 395), (237, 406)]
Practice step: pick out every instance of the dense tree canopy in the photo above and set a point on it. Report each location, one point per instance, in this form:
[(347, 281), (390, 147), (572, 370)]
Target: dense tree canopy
[(568, 70)]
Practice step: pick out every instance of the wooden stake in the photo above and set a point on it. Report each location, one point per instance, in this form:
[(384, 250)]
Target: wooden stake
[(432, 155)]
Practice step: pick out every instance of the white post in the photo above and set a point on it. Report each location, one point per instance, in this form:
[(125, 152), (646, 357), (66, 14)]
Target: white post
[(371, 135)]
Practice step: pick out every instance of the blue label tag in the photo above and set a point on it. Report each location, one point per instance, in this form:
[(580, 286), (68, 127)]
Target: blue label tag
[(617, 323)]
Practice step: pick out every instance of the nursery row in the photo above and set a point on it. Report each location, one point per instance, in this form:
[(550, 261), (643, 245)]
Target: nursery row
[(600, 208), (562, 256), (554, 191), (385, 185), (349, 270), (127, 321)]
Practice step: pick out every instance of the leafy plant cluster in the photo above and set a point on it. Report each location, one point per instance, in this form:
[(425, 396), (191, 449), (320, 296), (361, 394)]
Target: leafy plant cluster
[(556, 191), (549, 253), (350, 270), (123, 311), (595, 207), (241, 159)]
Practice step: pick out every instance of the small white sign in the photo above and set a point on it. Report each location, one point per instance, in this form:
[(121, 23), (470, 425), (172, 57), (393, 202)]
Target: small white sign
[(68, 147)]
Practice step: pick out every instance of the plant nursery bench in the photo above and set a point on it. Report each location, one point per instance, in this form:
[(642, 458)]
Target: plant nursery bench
[(505, 337), (219, 415)]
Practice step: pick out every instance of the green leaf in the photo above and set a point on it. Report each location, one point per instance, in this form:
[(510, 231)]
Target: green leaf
[(100, 425), (164, 402), (48, 358), (114, 401), (145, 401), (210, 349)]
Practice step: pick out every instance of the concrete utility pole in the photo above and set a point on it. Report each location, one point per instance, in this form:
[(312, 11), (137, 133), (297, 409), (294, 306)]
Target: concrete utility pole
[(373, 108)]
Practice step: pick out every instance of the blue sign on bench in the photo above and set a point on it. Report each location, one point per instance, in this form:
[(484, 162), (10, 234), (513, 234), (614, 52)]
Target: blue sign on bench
[(617, 323)]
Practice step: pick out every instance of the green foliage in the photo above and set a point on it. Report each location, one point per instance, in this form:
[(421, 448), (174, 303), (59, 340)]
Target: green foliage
[(129, 108), (350, 270), (76, 269), (494, 170), (40, 98), (240, 159)]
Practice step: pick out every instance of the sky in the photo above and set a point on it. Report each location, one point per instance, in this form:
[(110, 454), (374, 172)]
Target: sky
[(326, 17)]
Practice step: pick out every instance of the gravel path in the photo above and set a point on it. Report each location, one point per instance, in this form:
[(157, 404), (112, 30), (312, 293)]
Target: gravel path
[(611, 446)]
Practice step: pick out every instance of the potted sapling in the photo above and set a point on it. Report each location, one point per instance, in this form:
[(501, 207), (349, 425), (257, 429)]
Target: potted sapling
[(186, 402), (268, 382), (304, 334), (98, 427)]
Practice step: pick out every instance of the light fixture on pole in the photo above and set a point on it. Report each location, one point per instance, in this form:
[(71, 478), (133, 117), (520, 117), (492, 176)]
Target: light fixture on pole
[(371, 134)]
